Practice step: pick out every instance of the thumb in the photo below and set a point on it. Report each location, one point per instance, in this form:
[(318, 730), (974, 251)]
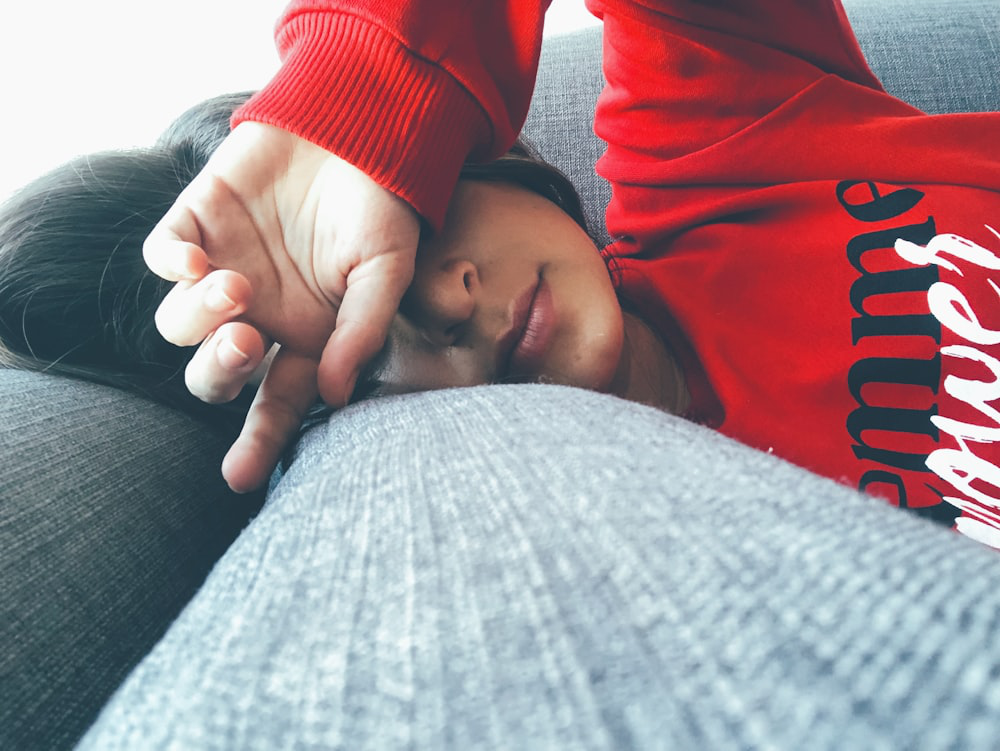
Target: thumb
[(370, 302)]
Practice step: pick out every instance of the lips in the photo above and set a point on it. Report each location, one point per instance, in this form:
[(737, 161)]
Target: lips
[(522, 349)]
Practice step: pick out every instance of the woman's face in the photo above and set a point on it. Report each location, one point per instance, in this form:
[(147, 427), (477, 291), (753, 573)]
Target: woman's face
[(512, 289)]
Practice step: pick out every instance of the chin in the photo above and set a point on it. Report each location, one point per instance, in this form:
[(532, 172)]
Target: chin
[(589, 381), (602, 380), (606, 354), (595, 369), (589, 345)]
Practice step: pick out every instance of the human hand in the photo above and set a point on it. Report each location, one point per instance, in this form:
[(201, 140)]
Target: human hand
[(278, 240)]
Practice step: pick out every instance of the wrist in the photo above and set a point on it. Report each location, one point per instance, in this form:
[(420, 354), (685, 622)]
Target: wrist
[(352, 88)]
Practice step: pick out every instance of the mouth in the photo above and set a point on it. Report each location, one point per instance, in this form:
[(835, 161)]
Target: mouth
[(523, 347)]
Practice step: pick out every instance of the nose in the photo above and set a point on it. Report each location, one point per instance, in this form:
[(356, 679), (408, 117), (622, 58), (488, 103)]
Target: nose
[(442, 299)]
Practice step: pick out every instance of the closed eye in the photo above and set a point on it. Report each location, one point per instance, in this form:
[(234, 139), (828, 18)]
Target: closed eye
[(371, 380), (457, 334)]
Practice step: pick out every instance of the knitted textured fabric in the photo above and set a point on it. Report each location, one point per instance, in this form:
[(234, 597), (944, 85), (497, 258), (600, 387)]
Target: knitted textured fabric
[(945, 41), (103, 539), (432, 574)]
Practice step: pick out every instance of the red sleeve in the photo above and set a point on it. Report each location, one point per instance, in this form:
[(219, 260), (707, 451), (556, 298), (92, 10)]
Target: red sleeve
[(406, 91), (685, 74)]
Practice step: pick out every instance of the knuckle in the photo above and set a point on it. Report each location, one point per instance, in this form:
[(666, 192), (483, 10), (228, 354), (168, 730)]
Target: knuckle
[(280, 417)]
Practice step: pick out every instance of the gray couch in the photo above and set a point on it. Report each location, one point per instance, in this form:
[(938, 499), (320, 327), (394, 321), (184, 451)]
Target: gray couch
[(498, 567)]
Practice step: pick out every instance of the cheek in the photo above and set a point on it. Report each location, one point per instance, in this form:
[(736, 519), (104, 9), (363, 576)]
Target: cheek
[(591, 333), (427, 371), (461, 367), (595, 352)]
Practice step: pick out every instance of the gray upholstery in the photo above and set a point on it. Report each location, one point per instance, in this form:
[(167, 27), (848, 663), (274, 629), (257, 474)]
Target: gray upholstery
[(542, 567), (517, 567), (112, 512), (938, 55)]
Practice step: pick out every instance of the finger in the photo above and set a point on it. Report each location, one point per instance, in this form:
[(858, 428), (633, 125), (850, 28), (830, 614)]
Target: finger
[(225, 362), (277, 412), (370, 303), (191, 311), (173, 249)]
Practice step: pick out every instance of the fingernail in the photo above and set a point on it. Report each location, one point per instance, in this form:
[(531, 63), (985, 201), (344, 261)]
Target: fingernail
[(232, 357), (180, 269), (350, 388), (216, 299)]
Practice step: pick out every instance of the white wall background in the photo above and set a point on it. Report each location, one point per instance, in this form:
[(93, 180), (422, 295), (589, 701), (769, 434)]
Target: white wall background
[(79, 76)]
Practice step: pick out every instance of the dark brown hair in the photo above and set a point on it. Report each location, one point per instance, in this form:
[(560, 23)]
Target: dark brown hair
[(76, 298)]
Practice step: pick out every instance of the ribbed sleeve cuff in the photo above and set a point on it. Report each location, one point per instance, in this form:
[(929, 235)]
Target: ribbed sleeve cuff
[(349, 86)]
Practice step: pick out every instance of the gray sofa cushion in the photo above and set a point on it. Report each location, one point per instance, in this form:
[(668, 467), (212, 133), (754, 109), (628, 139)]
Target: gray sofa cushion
[(938, 55), (112, 512), (541, 567)]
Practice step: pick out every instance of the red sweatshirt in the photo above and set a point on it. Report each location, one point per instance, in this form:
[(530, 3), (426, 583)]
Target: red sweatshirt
[(406, 91), (817, 252)]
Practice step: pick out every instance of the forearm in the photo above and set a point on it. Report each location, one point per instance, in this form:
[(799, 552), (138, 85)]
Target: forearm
[(407, 92), (817, 32), (720, 67)]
